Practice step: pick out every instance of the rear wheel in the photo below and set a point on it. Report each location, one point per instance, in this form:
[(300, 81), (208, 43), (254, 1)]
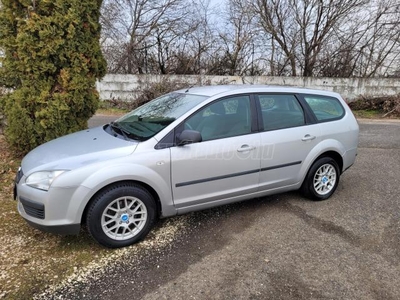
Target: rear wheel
[(121, 215), (322, 179)]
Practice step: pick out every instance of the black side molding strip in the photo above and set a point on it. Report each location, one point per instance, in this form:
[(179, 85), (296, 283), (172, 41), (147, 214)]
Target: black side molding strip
[(186, 183), (216, 178), (281, 166)]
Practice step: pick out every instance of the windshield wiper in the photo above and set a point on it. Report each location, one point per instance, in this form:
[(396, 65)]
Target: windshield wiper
[(123, 132), (126, 134)]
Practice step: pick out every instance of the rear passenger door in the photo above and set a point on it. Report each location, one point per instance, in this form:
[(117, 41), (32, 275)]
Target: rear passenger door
[(287, 136)]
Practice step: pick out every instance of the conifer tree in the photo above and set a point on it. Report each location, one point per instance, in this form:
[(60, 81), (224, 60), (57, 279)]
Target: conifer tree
[(50, 58)]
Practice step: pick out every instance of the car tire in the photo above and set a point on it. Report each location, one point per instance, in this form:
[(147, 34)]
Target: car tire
[(121, 215), (322, 179)]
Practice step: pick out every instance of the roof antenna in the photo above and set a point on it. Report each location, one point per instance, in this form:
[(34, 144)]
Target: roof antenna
[(187, 91)]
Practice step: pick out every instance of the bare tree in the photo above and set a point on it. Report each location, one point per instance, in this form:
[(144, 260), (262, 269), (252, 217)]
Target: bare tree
[(301, 28), (202, 44), (127, 26), (277, 20), (239, 39), (338, 38), (380, 47), (183, 46), (369, 44)]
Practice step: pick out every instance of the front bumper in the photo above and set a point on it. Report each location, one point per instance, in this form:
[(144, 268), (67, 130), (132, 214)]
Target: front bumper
[(58, 210), (71, 229)]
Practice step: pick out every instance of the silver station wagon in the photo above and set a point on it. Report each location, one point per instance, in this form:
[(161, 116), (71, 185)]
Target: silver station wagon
[(185, 151)]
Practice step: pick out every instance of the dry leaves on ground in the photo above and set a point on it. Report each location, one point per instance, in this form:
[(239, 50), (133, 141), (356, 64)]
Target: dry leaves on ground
[(34, 264)]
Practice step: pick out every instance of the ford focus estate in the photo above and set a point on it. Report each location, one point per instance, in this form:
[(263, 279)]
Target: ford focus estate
[(185, 151)]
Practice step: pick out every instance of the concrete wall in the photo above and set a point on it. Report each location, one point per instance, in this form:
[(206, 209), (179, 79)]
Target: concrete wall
[(123, 86)]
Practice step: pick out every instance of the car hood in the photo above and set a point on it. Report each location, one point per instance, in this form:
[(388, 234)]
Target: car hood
[(76, 150)]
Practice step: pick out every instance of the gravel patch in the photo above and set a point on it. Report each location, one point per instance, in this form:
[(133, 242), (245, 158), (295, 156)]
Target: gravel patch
[(38, 265), (160, 238)]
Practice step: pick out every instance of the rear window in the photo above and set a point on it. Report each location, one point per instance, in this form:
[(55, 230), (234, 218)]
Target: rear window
[(325, 108)]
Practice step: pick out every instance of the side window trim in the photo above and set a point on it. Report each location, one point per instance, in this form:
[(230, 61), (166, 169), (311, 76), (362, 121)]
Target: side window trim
[(309, 114), (260, 122), (255, 114), (167, 141)]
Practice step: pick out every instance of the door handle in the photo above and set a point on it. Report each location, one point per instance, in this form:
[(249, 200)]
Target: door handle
[(308, 137), (245, 148)]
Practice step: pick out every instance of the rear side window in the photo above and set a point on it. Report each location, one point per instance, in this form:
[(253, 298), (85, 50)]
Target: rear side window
[(325, 108), (280, 111)]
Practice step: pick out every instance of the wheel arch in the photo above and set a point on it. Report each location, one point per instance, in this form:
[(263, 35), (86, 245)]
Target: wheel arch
[(305, 184), (146, 186), (329, 153), (334, 155)]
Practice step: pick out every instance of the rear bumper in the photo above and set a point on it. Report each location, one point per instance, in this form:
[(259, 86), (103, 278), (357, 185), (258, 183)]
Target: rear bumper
[(349, 158)]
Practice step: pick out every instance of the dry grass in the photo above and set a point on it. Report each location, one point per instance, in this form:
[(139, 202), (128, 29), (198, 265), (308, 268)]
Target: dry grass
[(385, 106), (33, 264), (368, 114), (30, 259)]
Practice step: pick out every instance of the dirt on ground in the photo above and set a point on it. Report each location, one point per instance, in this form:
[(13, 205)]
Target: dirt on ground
[(32, 261)]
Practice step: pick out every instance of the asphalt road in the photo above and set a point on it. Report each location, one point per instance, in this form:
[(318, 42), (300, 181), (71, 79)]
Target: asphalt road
[(283, 246), (99, 120)]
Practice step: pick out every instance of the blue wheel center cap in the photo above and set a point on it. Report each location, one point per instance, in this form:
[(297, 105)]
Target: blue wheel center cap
[(324, 179), (125, 218)]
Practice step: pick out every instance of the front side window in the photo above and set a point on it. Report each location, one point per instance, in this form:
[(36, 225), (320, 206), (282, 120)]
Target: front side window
[(325, 108), (224, 118), (150, 118), (280, 111)]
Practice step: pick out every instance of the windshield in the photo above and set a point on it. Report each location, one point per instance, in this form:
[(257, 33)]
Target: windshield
[(152, 117)]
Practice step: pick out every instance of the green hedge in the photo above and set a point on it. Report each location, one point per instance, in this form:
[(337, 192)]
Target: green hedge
[(52, 60)]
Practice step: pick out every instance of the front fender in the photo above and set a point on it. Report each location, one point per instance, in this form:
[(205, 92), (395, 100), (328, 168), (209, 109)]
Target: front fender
[(159, 181), (100, 178)]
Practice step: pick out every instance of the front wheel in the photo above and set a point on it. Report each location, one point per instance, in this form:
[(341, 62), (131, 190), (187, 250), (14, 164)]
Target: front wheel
[(322, 179), (121, 215)]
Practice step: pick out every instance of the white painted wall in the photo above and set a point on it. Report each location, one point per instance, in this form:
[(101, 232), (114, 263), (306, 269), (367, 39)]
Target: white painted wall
[(123, 86)]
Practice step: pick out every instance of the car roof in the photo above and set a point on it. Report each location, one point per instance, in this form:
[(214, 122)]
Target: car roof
[(213, 90)]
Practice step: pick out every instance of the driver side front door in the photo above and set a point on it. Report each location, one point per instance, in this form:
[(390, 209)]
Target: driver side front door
[(226, 164)]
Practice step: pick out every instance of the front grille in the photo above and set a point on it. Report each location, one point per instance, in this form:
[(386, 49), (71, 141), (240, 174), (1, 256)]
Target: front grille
[(32, 208)]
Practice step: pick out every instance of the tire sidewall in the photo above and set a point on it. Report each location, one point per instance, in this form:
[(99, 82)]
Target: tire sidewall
[(309, 183), (104, 199)]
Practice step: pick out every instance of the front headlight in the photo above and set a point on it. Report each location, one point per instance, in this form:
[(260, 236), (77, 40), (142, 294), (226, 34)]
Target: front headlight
[(42, 180)]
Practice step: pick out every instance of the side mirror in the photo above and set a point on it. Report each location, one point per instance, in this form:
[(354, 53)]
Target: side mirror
[(188, 137)]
